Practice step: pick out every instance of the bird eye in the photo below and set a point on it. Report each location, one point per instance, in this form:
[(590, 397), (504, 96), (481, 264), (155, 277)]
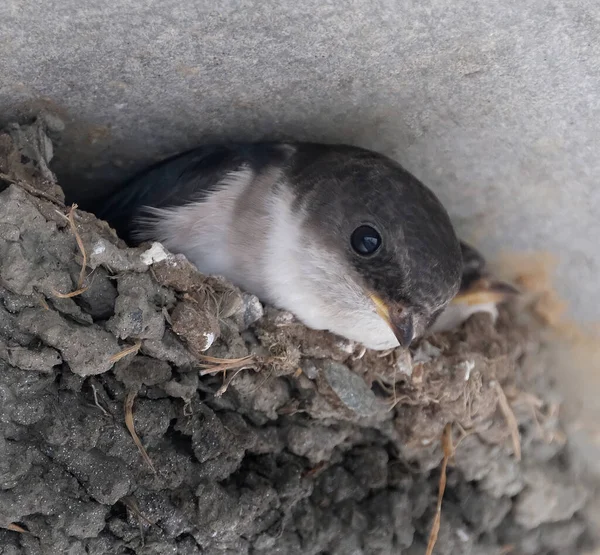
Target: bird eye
[(365, 240)]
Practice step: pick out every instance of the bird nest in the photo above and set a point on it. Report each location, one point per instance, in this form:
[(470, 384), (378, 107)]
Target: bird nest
[(147, 408)]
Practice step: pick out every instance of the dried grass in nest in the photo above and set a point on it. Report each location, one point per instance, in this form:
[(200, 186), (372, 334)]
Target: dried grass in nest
[(129, 399), (15, 528), (214, 365), (128, 351), (211, 294), (448, 449), (511, 420), (70, 217), (283, 359)]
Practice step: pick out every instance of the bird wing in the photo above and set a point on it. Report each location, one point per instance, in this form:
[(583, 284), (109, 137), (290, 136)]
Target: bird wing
[(181, 179)]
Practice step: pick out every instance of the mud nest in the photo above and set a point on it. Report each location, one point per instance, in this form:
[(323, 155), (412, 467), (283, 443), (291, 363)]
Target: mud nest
[(146, 408)]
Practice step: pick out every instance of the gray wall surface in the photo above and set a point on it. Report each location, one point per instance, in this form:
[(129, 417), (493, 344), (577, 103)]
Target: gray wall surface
[(495, 105)]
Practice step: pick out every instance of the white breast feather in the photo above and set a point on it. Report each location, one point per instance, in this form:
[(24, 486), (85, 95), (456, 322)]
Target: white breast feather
[(200, 229)]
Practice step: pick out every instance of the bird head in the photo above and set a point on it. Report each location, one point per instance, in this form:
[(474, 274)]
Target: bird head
[(390, 235)]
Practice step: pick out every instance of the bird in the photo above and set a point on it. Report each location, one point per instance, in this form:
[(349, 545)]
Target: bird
[(343, 237)]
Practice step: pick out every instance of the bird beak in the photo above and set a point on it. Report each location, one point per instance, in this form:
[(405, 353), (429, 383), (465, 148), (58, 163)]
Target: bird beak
[(398, 318), (484, 291)]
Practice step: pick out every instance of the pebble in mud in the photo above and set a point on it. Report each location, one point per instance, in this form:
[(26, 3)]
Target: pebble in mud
[(138, 308), (195, 326)]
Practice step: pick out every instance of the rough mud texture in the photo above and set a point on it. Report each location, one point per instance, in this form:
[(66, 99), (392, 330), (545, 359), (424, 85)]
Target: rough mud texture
[(302, 446)]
